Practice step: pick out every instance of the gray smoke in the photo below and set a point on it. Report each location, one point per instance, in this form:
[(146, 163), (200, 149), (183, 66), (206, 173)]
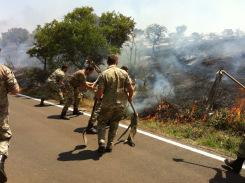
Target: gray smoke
[(182, 68), (13, 49)]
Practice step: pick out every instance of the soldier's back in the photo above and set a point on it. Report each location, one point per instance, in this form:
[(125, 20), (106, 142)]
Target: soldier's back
[(57, 75), (77, 78), (115, 84)]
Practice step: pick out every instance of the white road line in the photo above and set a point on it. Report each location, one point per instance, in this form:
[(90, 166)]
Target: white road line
[(207, 154)]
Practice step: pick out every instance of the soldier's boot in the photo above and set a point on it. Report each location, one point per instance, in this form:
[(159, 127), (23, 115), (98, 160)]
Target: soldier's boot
[(3, 176), (63, 115), (107, 125), (109, 147), (101, 148), (235, 165), (130, 141), (42, 102), (77, 112), (91, 129), (62, 101)]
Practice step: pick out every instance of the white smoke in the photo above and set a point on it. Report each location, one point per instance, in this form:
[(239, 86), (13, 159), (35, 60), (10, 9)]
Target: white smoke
[(183, 68), (15, 54)]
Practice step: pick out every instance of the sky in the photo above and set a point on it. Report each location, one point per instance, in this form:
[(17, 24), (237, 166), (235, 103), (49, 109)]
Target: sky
[(202, 16)]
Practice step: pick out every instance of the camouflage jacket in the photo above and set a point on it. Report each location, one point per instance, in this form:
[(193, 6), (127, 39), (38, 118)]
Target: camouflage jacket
[(78, 78), (8, 83), (114, 82), (57, 76)]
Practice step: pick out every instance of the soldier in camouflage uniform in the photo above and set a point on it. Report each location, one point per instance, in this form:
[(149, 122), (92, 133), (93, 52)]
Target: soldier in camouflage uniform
[(91, 129), (54, 85), (8, 84), (72, 86), (236, 165), (93, 119), (112, 85)]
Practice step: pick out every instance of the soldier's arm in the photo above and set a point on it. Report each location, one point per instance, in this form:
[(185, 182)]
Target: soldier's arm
[(89, 85), (130, 89), (95, 84), (11, 82), (130, 92), (60, 77), (100, 91)]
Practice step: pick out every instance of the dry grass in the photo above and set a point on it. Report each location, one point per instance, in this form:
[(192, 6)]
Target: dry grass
[(87, 104), (198, 134)]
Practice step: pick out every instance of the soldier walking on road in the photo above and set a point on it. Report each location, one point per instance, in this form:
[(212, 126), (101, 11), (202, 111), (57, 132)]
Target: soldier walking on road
[(54, 85), (72, 88), (112, 85), (8, 84)]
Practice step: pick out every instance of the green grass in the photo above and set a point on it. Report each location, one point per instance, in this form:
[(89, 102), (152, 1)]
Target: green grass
[(198, 133)]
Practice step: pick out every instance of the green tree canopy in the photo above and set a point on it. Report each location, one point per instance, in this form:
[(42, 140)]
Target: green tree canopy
[(81, 34)]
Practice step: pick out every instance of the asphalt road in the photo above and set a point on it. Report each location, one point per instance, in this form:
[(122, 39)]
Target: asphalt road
[(45, 149)]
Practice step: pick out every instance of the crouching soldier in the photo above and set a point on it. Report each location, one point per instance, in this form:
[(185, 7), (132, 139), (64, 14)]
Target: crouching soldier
[(54, 85), (72, 86)]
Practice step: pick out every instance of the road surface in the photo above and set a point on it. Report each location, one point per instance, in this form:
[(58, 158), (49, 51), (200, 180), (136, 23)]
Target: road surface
[(45, 149)]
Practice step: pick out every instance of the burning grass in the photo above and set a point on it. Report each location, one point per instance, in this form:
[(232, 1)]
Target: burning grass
[(220, 130)]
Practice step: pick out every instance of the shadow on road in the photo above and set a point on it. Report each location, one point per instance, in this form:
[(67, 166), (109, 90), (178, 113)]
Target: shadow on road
[(80, 155), (54, 117), (80, 129), (45, 105), (58, 116), (229, 177)]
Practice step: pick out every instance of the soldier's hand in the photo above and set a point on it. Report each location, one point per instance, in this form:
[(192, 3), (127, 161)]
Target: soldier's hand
[(130, 99)]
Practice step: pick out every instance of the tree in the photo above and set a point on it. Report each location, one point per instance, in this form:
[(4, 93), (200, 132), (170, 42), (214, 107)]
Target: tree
[(155, 33), (14, 35), (80, 35), (117, 29), (180, 30), (138, 32), (44, 47)]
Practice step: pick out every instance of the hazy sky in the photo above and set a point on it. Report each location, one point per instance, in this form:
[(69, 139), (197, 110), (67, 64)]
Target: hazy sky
[(197, 15)]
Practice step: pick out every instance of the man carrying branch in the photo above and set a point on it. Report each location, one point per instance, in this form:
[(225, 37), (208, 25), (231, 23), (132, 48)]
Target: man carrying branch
[(112, 85)]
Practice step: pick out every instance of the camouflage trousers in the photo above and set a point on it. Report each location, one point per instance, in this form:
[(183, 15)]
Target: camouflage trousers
[(241, 150), (72, 96), (5, 134), (111, 115), (94, 116), (52, 90)]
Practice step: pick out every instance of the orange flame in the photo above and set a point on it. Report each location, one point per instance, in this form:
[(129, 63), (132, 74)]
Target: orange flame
[(238, 108)]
